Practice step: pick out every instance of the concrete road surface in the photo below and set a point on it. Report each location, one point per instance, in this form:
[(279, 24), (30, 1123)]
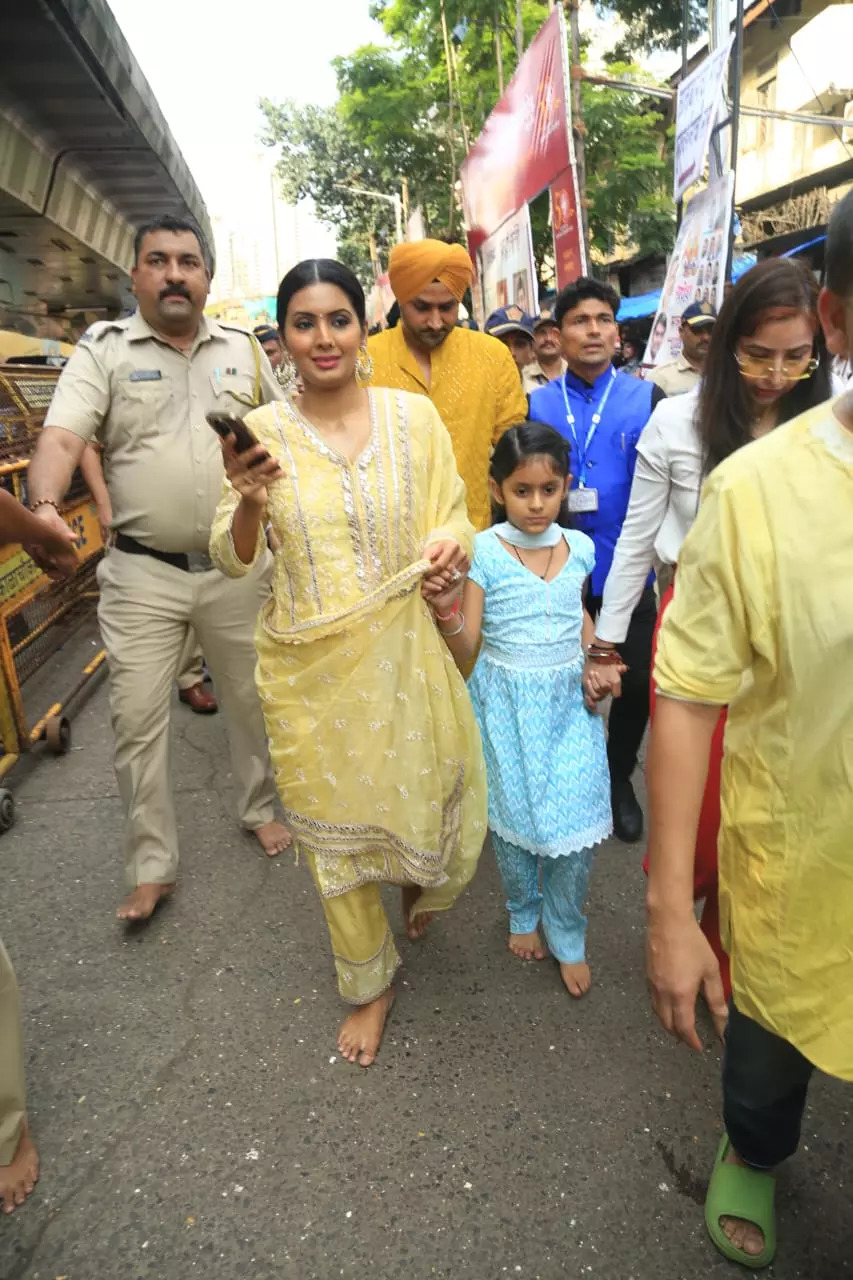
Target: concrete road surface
[(194, 1120)]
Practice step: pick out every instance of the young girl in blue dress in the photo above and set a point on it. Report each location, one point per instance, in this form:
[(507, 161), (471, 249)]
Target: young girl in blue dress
[(549, 788)]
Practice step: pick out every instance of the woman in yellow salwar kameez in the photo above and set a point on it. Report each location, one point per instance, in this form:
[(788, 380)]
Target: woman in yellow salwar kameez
[(372, 736)]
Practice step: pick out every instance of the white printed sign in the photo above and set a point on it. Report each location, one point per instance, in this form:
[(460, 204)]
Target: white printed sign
[(508, 266), (697, 268), (698, 99)]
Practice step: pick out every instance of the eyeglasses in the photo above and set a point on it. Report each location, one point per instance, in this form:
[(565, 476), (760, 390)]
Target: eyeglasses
[(789, 371)]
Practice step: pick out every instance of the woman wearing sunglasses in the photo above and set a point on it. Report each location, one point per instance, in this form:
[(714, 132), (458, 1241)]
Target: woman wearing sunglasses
[(767, 363)]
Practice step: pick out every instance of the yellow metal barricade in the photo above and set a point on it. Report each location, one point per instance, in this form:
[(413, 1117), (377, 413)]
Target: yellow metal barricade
[(37, 616)]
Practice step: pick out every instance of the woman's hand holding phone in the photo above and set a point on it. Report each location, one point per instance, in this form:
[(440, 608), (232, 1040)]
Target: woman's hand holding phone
[(248, 465), (251, 473)]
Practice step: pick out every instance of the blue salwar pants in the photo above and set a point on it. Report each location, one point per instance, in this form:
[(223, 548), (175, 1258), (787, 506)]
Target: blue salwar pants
[(559, 903)]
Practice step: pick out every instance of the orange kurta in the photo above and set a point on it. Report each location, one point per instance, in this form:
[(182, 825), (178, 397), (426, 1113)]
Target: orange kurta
[(476, 388)]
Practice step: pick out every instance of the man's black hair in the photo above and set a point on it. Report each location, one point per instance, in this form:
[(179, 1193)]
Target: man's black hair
[(839, 248), (171, 222), (579, 291)]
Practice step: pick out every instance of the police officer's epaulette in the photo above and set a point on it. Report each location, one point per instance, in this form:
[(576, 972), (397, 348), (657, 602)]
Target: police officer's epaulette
[(97, 330), (237, 328)]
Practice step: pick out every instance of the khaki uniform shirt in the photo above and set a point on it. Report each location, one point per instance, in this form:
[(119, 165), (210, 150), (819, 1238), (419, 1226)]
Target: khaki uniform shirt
[(533, 376), (144, 402), (676, 377)]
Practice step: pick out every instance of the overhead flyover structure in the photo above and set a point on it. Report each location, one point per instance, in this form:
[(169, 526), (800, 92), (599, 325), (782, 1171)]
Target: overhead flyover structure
[(85, 156)]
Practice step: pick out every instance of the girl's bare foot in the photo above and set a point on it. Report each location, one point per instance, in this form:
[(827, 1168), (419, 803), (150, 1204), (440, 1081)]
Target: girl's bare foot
[(361, 1033), (417, 927), (527, 946), (577, 978), (18, 1179), (743, 1234), (140, 904)]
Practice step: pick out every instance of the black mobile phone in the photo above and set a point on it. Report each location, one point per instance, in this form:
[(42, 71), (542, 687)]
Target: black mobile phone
[(228, 424)]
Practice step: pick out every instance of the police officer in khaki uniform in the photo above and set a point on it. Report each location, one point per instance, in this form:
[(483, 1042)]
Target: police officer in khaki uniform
[(19, 1163), (683, 374), (141, 386)]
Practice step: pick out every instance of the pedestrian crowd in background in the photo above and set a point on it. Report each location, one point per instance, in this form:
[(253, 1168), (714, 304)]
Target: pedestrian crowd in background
[(434, 558)]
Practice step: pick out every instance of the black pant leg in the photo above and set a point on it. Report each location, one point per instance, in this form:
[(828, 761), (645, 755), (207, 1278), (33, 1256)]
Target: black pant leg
[(765, 1082), (629, 714)]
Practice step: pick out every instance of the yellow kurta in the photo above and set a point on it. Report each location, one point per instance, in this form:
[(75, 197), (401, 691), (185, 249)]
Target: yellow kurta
[(476, 388), (762, 619), (372, 735)]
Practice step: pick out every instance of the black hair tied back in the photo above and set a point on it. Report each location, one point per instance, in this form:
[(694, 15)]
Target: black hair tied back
[(521, 444), (320, 271)]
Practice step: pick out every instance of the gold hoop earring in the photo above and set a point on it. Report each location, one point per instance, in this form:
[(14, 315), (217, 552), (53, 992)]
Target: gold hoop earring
[(364, 365), (286, 374)]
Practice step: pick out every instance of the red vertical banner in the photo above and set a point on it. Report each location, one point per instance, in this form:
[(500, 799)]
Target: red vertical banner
[(568, 243), (526, 139)]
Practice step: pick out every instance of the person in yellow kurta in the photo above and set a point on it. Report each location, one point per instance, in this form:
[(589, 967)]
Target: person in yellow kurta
[(471, 378), (372, 736), (762, 619)]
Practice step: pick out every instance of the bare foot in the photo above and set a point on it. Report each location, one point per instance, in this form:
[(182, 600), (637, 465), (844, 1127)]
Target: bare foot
[(417, 927), (19, 1178), (361, 1033), (744, 1235), (140, 904), (577, 978), (527, 946), (274, 838)]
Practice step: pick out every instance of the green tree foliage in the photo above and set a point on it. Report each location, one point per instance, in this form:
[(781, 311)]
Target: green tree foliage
[(653, 24), (405, 113), (627, 172)]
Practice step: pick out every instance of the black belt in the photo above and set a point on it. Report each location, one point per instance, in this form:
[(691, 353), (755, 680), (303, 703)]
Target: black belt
[(177, 559)]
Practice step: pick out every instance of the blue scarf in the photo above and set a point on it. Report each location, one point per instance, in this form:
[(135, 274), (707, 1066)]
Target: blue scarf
[(528, 541)]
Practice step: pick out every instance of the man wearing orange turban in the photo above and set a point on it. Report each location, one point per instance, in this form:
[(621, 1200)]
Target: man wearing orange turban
[(471, 379), (411, 267)]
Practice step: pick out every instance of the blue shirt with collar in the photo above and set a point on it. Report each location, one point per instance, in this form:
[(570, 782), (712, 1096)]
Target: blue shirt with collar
[(612, 454)]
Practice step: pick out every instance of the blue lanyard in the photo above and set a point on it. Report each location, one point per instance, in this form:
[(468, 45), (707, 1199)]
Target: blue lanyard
[(596, 418)]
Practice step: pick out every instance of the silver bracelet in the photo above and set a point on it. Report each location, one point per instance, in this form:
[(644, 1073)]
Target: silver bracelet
[(448, 635)]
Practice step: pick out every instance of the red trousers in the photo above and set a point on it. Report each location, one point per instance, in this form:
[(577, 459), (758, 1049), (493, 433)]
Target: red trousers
[(705, 883)]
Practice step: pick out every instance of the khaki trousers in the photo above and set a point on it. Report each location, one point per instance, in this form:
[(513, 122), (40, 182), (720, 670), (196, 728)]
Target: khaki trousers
[(191, 664), (13, 1105), (145, 610)]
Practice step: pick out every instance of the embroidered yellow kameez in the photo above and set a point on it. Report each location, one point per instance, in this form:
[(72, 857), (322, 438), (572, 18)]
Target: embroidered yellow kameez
[(372, 736)]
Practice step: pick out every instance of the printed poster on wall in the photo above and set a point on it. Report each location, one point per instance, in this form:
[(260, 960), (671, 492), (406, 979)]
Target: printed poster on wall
[(699, 98), (508, 268), (697, 268)]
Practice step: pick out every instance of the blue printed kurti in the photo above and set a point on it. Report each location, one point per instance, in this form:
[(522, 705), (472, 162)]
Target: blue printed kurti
[(546, 759)]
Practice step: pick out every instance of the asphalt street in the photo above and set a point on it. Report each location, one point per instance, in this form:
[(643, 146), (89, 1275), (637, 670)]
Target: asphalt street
[(194, 1118)]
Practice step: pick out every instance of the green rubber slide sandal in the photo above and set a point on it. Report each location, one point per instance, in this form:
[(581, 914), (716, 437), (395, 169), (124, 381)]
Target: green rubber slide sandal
[(737, 1192)]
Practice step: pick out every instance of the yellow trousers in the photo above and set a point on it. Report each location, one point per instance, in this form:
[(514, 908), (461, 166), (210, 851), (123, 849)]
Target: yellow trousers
[(13, 1106), (366, 958)]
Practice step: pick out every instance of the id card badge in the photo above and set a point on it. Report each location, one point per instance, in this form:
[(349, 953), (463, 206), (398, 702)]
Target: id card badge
[(583, 501)]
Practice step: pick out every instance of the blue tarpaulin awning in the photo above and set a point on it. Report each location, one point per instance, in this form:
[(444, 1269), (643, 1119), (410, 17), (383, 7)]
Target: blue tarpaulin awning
[(646, 304)]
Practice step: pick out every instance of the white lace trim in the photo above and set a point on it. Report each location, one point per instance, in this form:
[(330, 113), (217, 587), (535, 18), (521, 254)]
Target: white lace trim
[(556, 848)]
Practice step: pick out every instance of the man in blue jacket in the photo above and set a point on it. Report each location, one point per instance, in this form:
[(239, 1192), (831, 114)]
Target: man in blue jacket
[(601, 413)]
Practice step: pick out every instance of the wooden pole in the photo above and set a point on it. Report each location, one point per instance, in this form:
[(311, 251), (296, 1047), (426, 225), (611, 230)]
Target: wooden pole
[(685, 18), (737, 81), (578, 127), (519, 31), (451, 129)]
